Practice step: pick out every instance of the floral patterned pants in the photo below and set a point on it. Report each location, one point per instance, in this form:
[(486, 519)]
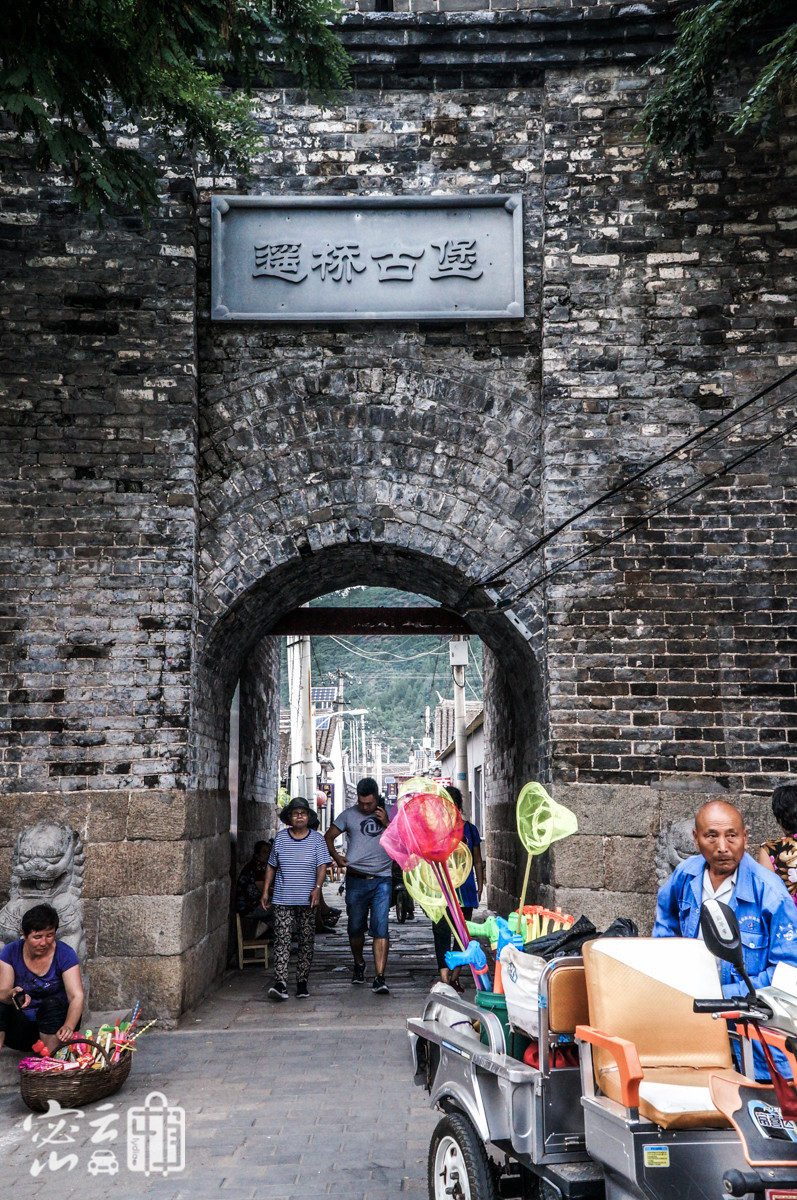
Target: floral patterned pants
[(286, 917)]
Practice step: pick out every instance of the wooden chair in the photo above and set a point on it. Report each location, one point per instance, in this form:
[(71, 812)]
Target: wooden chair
[(250, 950)]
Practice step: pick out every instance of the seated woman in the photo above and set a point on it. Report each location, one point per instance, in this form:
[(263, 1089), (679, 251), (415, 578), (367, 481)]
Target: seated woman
[(248, 898), (41, 996)]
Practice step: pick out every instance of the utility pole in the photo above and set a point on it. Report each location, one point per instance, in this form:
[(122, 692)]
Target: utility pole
[(458, 654), (378, 764), (427, 741), (302, 769), (364, 762)]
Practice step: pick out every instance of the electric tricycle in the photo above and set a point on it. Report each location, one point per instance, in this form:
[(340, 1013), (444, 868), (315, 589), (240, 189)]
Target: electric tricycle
[(640, 1086)]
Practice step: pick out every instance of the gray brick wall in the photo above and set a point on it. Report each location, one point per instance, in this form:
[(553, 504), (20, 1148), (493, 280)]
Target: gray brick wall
[(97, 482), (662, 296), (169, 487), (258, 753)]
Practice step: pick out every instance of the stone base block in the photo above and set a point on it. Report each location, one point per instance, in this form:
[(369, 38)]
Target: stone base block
[(155, 890), (156, 981), (602, 907)]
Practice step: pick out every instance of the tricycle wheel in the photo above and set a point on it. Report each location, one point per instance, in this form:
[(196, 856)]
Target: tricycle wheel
[(458, 1165)]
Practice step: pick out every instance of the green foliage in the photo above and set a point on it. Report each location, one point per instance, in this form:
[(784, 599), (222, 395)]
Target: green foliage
[(397, 689), (682, 115), (67, 68)]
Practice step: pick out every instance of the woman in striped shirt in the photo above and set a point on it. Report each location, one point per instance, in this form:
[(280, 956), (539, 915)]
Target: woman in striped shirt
[(294, 875)]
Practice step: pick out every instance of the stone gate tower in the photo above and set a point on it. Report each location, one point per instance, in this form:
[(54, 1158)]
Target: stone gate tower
[(172, 484)]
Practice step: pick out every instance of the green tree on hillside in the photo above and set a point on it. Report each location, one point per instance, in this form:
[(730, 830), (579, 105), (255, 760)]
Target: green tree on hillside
[(394, 677), (682, 115), (67, 69)]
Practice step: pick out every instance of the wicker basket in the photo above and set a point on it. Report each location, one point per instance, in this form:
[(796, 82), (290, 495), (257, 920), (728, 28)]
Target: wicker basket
[(73, 1088)]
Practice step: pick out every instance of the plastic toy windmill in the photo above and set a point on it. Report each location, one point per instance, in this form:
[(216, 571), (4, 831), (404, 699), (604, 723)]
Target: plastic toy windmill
[(540, 822)]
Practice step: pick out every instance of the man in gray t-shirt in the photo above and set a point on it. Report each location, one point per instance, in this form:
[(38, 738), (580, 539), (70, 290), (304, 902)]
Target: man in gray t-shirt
[(368, 878)]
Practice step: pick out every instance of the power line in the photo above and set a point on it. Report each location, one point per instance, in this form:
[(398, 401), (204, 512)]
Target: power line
[(596, 547), (626, 483), (375, 658)]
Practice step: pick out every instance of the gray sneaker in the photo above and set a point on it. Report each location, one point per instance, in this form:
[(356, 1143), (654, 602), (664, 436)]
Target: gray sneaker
[(358, 974)]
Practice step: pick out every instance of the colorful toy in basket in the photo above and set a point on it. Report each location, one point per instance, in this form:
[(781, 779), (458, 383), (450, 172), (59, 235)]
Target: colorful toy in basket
[(87, 1068), (474, 957), (536, 921), (497, 930)]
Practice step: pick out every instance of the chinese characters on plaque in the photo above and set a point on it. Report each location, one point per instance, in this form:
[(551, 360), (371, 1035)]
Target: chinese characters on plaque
[(305, 259), (453, 259)]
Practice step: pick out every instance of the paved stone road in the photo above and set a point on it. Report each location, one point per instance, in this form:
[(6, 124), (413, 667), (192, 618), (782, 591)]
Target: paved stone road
[(310, 1099)]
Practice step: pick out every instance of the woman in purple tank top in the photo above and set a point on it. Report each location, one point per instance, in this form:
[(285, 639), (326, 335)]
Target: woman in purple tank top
[(41, 996)]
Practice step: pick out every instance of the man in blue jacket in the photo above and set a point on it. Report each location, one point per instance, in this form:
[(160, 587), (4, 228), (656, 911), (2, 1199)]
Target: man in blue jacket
[(766, 913)]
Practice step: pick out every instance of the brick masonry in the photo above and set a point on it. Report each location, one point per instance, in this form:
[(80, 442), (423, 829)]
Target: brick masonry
[(169, 487), (258, 774)]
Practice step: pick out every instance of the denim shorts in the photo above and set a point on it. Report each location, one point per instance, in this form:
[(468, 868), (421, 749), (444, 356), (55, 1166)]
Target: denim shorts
[(363, 895)]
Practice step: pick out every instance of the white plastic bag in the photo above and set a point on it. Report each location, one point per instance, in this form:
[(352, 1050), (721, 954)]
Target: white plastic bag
[(520, 973)]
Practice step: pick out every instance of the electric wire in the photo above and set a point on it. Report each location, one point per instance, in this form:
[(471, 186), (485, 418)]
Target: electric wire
[(434, 676), (486, 580), (375, 658), (596, 547), (375, 722)]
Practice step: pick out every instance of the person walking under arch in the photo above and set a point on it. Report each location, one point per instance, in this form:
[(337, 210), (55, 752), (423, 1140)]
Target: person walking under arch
[(296, 870), (469, 895), (369, 875)]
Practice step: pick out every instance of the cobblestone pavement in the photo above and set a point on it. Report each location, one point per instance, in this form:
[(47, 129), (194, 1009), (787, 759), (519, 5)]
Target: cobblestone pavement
[(309, 1098)]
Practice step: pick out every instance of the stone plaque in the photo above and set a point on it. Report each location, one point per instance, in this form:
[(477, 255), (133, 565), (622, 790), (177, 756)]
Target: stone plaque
[(294, 258)]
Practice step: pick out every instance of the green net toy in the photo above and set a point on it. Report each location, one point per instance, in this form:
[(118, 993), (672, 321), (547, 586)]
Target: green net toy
[(540, 822)]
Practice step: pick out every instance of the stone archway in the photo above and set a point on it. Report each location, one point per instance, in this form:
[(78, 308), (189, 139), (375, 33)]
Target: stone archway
[(361, 467), (355, 464), (239, 646)]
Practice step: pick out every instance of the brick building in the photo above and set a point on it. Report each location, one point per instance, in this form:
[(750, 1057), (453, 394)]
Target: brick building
[(170, 485)]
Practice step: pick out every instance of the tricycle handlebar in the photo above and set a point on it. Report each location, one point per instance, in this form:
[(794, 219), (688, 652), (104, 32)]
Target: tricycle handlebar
[(718, 1006)]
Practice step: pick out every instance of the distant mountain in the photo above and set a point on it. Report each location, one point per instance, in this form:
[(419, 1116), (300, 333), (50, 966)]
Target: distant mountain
[(395, 678)]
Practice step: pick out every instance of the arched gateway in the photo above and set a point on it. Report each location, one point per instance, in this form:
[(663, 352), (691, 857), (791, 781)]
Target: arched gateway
[(174, 480), (384, 478)]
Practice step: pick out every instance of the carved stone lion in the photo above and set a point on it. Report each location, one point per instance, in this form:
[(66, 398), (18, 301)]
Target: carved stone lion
[(675, 843), (47, 869)]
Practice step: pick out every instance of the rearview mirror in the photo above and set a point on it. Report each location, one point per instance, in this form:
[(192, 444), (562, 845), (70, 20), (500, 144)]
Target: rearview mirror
[(721, 934)]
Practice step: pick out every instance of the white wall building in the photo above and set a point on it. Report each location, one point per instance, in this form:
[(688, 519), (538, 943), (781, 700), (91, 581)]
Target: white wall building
[(446, 758)]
